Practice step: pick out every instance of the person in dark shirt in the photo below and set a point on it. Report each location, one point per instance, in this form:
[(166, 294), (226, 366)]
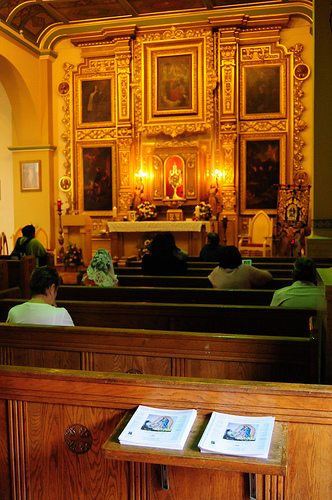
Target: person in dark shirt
[(161, 259), (211, 252)]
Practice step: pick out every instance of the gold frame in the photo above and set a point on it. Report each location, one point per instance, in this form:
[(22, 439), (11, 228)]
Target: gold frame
[(82, 114), (79, 185), (192, 49), (34, 169), (262, 86), (282, 137)]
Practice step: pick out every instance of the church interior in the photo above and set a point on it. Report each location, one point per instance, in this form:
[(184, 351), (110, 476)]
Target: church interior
[(100, 104), (122, 119)]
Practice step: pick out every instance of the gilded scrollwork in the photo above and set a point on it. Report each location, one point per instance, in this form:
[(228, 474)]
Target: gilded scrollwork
[(300, 76)]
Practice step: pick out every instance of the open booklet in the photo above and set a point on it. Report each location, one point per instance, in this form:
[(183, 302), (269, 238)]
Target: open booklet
[(158, 428), (237, 435)]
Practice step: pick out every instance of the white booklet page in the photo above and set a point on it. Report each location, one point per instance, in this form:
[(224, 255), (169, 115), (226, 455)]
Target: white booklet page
[(237, 435), (158, 428)]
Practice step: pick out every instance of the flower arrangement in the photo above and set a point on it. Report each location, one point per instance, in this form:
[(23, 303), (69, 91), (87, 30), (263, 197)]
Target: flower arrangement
[(142, 250), (73, 256), (205, 211), (146, 211)]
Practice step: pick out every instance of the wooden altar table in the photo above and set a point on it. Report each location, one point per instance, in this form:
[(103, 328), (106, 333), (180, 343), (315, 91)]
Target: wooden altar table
[(126, 237)]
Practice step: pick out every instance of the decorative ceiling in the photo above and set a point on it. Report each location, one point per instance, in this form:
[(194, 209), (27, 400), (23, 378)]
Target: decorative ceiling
[(33, 19)]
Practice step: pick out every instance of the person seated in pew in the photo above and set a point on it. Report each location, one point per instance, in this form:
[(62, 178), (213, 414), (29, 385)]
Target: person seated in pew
[(100, 271), (41, 309), (163, 258), (211, 252), (303, 292), (29, 245), (177, 252), (231, 273)]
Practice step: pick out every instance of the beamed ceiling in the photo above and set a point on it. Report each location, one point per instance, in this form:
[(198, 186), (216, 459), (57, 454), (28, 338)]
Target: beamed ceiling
[(36, 20)]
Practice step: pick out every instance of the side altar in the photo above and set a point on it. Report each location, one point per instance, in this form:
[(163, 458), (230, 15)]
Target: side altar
[(125, 238)]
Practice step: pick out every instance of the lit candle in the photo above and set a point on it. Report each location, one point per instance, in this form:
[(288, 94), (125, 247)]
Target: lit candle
[(115, 212), (59, 205), (197, 212)]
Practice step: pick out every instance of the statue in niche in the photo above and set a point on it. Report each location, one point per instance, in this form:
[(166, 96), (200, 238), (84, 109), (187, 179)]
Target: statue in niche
[(214, 197), (138, 195)]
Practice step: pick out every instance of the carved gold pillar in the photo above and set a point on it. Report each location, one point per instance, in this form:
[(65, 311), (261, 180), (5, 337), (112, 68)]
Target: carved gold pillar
[(124, 127), (227, 131)]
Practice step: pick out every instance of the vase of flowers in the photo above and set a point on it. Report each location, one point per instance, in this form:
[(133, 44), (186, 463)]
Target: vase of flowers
[(73, 256), (146, 211), (205, 211)]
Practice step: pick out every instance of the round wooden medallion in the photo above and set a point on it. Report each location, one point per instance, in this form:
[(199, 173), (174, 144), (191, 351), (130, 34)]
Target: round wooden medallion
[(63, 88), (78, 439)]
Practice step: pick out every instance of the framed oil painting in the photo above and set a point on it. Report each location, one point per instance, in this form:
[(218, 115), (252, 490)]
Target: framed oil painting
[(263, 168), (95, 180), (174, 83), (30, 173), (263, 92), (96, 101)]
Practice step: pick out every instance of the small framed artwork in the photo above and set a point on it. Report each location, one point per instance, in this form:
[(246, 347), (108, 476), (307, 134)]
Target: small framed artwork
[(263, 168), (30, 175), (263, 91)]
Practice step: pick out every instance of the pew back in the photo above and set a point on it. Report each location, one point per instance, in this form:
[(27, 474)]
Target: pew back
[(249, 320), (54, 424), (166, 295), (185, 354)]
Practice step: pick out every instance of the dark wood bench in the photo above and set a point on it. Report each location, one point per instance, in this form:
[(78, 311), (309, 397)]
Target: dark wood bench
[(249, 320), (201, 271), (169, 295), (19, 272), (55, 423), (186, 281), (203, 355)]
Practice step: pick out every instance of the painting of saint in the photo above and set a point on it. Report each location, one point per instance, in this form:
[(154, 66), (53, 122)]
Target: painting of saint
[(96, 101), (97, 178), (262, 174), (262, 90), (174, 82)]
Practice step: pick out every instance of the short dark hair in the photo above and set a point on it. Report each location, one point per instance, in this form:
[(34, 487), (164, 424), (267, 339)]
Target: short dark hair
[(304, 270), (230, 257), (213, 238), (28, 231), (42, 278)]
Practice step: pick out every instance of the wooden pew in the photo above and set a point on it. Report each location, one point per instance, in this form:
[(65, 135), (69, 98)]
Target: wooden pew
[(13, 293), (19, 272), (201, 271), (169, 295), (55, 424), (186, 354), (248, 320), (186, 281)]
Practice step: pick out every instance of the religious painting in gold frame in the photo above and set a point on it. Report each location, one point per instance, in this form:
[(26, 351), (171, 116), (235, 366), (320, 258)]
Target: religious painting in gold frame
[(263, 168), (95, 178), (95, 101), (177, 75), (263, 91)]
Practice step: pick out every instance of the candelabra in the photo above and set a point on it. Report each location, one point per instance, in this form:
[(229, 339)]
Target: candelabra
[(61, 238)]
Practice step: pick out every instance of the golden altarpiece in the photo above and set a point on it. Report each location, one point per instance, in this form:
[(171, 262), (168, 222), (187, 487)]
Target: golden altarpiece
[(207, 112)]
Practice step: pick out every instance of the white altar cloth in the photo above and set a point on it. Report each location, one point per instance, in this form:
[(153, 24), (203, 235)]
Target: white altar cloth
[(146, 226)]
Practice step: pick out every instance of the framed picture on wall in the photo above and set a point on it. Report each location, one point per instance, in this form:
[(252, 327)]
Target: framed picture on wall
[(30, 173), (263, 168), (175, 84), (95, 103), (263, 91), (95, 180)]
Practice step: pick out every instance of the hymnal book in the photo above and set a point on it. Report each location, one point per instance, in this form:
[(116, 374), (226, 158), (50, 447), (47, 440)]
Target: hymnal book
[(158, 428), (237, 435)]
